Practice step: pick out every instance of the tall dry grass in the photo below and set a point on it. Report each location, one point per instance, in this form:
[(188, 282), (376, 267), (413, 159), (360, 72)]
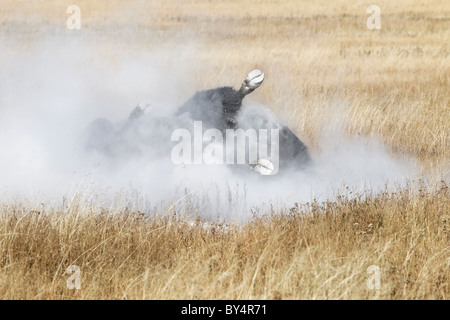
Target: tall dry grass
[(313, 251), (321, 64)]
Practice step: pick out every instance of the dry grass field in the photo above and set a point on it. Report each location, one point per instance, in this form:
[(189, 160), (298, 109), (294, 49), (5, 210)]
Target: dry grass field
[(322, 253), (321, 63)]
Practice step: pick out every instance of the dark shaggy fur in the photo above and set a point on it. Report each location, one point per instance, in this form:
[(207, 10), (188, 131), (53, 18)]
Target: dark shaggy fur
[(217, 108)]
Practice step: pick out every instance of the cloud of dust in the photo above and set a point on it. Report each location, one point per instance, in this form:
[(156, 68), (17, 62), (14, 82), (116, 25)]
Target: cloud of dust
[(48, 97)]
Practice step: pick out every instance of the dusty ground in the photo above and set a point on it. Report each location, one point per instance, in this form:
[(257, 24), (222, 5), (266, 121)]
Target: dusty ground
[(394, 84)]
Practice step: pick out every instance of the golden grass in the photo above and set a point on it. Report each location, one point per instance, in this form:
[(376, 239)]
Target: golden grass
[(317, 252), (321, 63)]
